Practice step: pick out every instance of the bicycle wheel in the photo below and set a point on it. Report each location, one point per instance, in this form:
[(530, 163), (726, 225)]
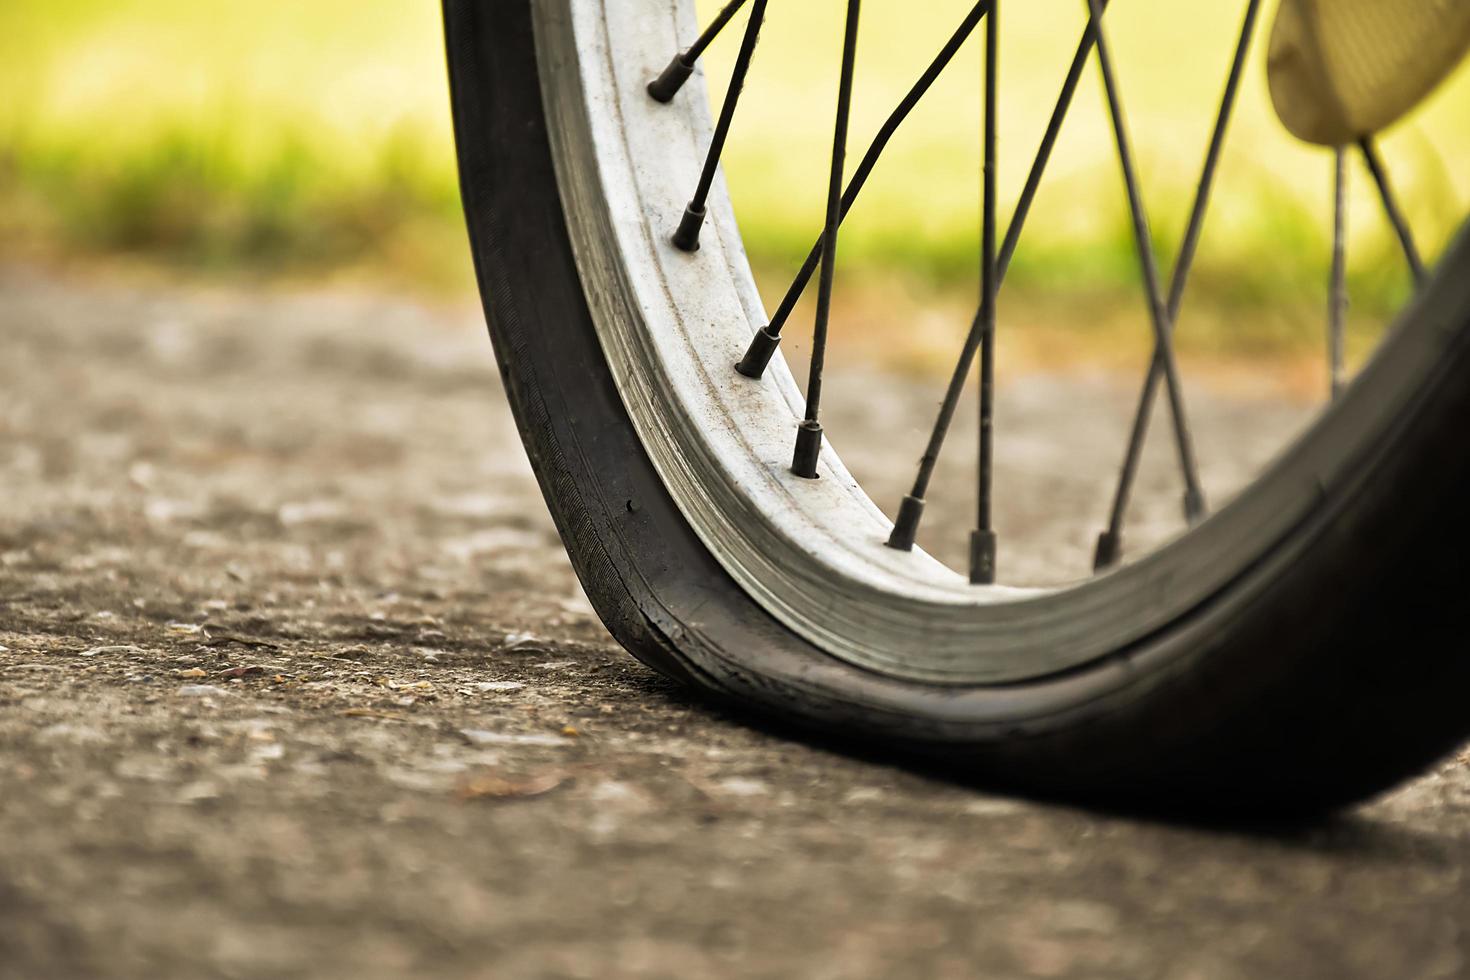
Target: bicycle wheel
[(1297, 650)]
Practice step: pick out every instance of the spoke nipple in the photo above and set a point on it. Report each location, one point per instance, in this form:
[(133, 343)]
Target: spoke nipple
[(686, 238), (671, 79), (1194, 506), (906, 528), (982, 557), (758, 355), (808, 449), (1109, 550)]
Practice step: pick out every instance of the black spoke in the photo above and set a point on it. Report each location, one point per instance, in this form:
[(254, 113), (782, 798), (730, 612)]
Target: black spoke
[(809, 435), (1148, 263), (911, 511), (672, 79), (1338, 295), (1109, 545), (1391, 208), (687, 235), (1049, 139), (763, 345), (982, 539)]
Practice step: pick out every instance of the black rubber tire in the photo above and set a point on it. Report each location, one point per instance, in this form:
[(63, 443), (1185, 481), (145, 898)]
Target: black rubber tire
[(1328, 672)]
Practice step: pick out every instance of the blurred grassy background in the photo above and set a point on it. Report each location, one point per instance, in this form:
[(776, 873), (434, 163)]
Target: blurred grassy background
[(269, 136), (306, 139)]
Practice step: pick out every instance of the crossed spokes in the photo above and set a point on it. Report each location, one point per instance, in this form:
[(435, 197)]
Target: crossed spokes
[(1163, 301)]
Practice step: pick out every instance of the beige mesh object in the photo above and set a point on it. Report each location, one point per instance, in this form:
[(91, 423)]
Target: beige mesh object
[(1344, 69)]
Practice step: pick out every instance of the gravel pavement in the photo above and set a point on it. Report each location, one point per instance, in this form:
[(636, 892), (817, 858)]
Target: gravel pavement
[(295, 681)]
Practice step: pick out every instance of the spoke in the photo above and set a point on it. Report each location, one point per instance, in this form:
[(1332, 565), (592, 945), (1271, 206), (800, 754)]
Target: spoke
[(809, 436), (672, 79), (1109, 546), (911, 511), (1148, 262), (1338, 301), (1391, 207), (763, 345), (687, 235), (1049, 140), (982, 539)]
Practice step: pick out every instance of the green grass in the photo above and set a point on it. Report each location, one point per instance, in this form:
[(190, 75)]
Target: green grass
[(273, 135), (301, 137)]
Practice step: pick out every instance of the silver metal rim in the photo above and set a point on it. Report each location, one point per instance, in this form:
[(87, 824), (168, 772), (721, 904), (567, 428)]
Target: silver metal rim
[(672, 325)]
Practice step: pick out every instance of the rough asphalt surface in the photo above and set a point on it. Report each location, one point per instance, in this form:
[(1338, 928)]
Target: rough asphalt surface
[(295, 681)]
